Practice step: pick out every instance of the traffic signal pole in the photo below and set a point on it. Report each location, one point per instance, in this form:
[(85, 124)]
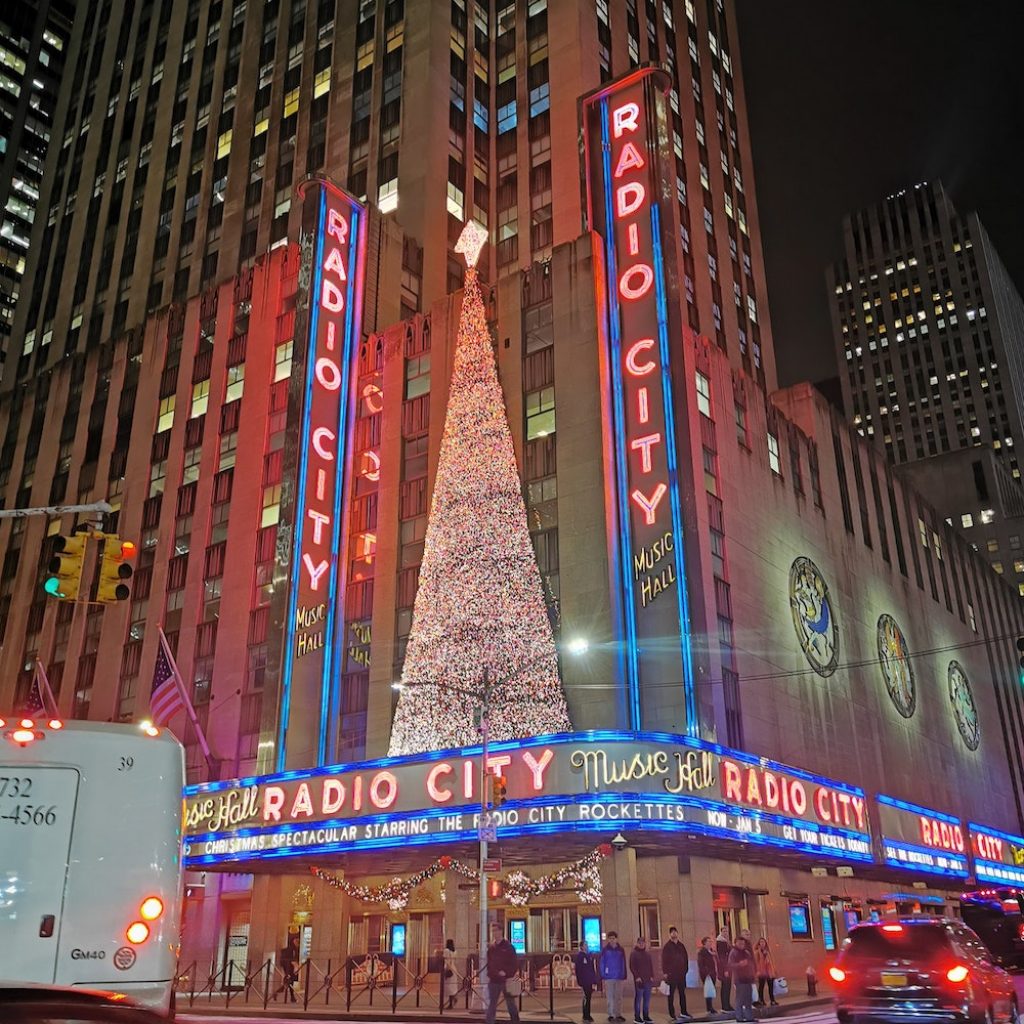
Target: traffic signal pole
[(485, 823), (54, 510)]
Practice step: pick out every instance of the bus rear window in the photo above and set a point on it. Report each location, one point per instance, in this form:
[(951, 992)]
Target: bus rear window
[(910, 941)]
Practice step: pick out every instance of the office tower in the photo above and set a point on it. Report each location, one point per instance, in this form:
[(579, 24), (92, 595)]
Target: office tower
[(33, 44)]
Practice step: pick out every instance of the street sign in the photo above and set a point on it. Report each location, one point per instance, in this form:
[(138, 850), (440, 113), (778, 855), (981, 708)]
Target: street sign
[(488, 834), (492, 865)]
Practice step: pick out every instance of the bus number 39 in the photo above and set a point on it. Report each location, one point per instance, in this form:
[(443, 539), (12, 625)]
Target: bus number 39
[(31, 814)]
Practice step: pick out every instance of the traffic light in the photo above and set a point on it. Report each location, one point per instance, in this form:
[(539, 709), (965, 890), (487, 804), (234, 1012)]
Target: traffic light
[(66, 566), (1020, 660), (494, 888), (115, 570), (499, 790)]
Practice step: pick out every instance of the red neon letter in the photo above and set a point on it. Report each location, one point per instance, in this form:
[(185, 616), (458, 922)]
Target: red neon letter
[(328, 374), (644, 444), (640, 369), (332, 298), (537, 767), (649, 504), (629, 157), (798, 798), (771, 789), (318, 434), (468, 774), (495, 762), (273, 801), (303, 802), (337, 225), (439, 796), (315, 571), (334, 262), (387, 782), (629, 288), (319, 522), (628, 198), (333, 796), (624, 118), (821, 804), (641, 405), (731, 780)]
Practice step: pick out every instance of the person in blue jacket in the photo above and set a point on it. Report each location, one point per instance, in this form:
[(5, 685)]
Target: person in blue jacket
[(586, 977), (613, 974)]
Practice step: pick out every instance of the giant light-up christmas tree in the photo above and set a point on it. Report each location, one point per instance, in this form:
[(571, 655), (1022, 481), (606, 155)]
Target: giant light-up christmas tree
[(480, 606)]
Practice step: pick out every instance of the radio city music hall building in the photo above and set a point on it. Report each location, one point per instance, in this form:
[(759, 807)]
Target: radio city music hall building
[(800, 707), (800, 704)]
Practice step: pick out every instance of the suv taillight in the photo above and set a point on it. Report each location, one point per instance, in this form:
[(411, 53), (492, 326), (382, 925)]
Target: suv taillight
[(958, 974)]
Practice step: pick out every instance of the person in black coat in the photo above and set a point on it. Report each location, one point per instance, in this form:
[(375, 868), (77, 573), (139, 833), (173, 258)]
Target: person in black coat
[(724, 947), (502, 964), (707, 967), (675, 962), (586, 978)]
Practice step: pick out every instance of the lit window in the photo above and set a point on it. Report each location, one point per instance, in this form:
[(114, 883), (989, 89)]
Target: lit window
[(271, 505), (703, 393), (228, 447), (283, 361), (992, 546), (190, 470), (540, 413), (970, 619), (200, 398), (236, 383), (1018, 566), (922, 532), (987, 515), (165, 418), (773, 455), (998, 566), (157, 478), (967, 520), (417, 376), (937, 544)]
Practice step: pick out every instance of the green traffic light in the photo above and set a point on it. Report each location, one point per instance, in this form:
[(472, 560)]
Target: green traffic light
[(52, 586)]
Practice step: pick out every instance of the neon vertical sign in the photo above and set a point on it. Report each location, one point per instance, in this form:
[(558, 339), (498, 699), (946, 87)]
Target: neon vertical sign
[(333, 265), (646, 537)]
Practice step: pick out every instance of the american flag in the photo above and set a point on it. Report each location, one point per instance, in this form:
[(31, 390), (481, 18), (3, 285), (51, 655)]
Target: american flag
[(166, 698), (35, 704)]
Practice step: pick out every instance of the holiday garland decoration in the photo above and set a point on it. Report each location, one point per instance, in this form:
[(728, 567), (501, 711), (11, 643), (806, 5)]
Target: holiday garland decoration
[(584, 876), (480, 604)]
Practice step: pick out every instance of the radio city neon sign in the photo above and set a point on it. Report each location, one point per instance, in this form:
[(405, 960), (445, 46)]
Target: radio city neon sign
[(942, 835)]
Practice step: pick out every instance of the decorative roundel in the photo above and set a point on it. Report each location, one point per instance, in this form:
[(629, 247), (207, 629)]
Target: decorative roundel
[(964, 709), (813, 617), (897, 671)]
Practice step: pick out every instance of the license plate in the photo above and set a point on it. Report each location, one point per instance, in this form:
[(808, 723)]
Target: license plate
[(894, 980)]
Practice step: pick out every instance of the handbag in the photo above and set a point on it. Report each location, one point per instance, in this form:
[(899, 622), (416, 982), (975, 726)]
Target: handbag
[(664, 989), (709, 987), (448, 972), (514, 986), (781, 987)]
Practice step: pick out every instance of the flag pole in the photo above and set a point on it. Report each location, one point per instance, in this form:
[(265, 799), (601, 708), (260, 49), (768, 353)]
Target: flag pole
[(44, 689), (186, 700)]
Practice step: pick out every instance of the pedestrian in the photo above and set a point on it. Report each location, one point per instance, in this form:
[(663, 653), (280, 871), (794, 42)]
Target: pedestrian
[(586, 978), (743, 971), (723, 947), (675, 962), (451, 982), (765, 971), (707, 969), (613, 974), (641, 966), (502, 964), (289, 957)]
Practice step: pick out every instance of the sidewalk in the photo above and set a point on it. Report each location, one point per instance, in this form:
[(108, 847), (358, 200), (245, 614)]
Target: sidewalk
[(566, 1009)]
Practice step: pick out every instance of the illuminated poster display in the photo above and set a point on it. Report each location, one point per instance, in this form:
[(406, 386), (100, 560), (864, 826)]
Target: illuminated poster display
[(998, 856), (517, 935), (328, 326), (590, 782), (624, 123), (921, 839)]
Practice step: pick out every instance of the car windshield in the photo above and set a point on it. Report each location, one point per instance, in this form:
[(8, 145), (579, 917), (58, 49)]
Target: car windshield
[(911, 941)]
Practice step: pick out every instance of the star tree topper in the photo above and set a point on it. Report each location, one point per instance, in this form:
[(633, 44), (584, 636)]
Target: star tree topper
[(471, 241)]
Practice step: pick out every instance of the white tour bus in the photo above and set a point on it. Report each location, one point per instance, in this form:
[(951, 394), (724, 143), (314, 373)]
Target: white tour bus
[(90, 856)]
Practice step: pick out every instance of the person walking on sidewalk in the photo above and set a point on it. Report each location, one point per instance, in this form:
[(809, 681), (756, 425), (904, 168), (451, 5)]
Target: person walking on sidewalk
[(586, 978), (502, 964), (742, 969), (765, 972), (451, 981), (724, 947), (675, 962), (289, 957), (613, 974), (707, 969), (641, 966)]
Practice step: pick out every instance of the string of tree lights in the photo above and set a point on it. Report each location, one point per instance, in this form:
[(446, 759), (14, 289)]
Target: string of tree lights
[(480, 605), (582, 877)]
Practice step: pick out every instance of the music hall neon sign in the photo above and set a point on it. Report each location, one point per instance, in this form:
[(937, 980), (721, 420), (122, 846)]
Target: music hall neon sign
[(333, 319), (645, 533)]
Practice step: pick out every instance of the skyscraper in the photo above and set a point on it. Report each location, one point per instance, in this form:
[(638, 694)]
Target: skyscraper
[(33, 44), (928, 330), (185, 126)]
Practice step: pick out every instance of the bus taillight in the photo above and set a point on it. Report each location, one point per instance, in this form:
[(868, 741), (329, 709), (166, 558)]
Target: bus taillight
[(23, 736), (27, 723), (55, 723), (152, 907), (137, 933)]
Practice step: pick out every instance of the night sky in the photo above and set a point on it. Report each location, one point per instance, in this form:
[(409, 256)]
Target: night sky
[(849, 102)]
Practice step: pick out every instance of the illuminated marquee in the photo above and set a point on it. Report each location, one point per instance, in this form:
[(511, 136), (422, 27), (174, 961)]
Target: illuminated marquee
[(590, 782), (624, 122), (920, 839), (998, 856), (334, 244)]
